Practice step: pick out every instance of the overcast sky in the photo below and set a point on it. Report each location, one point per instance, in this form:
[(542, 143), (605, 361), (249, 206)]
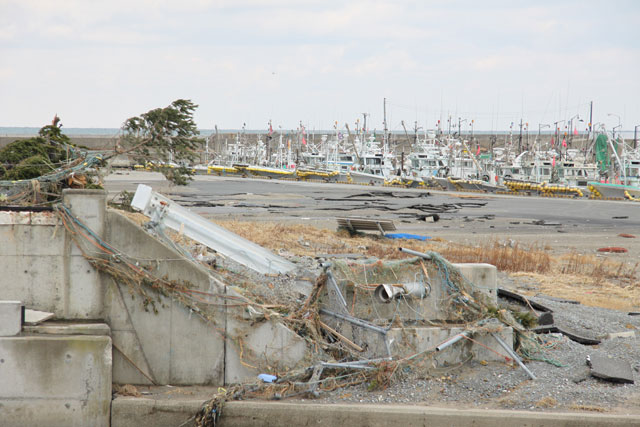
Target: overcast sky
[(96, 63)]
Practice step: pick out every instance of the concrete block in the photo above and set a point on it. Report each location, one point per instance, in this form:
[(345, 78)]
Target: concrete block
[(10, 318), (89, 206), (266, 346), (55, 380), (483, 276)]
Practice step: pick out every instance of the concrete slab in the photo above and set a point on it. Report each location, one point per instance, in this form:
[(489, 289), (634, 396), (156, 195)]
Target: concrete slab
[(614, 370), (55, 380)]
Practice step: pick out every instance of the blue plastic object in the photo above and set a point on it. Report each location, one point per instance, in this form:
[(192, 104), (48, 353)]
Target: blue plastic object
[(267, 378), (406, 236)]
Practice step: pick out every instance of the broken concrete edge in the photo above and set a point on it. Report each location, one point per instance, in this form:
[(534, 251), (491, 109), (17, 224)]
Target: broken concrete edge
[(133, 412)]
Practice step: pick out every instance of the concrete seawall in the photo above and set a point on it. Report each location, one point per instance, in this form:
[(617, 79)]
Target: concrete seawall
[(132, 412)]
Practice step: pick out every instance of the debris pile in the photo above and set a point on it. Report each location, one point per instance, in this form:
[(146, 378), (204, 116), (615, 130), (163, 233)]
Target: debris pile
[(34, 171)]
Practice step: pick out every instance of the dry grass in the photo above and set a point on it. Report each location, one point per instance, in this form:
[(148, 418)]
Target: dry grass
[(510, 257), (546, 402), (607, 294), (589, 408), (126, 390), (598, 269)]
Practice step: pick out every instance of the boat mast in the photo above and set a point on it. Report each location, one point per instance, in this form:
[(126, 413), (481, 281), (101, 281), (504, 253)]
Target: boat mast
[(385, 137)]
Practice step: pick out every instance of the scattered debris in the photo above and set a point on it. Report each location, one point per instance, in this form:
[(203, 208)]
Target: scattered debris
[(569, 334), (627, 236), (613, 249), (406, 236), (620, 217), (126, 390), (614, 370), (353, 224), (543, 222), (503, 293), (266, 378), (625, 334)]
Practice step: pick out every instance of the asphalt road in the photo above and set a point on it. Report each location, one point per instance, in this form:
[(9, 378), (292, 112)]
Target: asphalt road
[(563, 224)]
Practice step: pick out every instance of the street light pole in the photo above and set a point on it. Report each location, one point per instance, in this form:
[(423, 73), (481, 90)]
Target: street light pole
[(619, 123), (540, 126)]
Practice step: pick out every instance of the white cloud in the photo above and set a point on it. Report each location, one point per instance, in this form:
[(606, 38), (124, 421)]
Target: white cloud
[(318, 61)]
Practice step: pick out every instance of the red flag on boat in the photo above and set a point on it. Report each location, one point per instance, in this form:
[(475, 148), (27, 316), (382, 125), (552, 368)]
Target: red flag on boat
[(478, 152), (553, 162), (553, 141), (575, 131), (270, 129), (304, 140), (564, 142)]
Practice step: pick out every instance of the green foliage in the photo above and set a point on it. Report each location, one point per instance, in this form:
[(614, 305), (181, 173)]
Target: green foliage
[(31, 167), (20, 150), (54, 134), (526, 318), (165, 134), (33, 157)]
